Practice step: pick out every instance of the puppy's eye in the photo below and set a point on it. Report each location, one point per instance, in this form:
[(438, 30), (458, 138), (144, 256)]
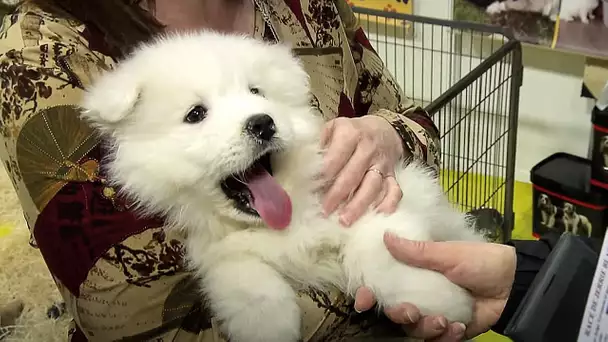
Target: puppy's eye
[(196, 114), (255, 91)]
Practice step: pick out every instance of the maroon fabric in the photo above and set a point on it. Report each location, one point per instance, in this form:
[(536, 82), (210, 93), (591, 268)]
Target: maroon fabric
[(79, 225), (97, 42), (423, 119), (345, 107), (361, 38), (78, 336)]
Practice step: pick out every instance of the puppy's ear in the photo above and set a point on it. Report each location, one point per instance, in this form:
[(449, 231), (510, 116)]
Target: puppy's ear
[(111, 98)]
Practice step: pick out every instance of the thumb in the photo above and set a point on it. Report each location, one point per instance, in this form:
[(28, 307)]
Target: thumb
[(430, 255)]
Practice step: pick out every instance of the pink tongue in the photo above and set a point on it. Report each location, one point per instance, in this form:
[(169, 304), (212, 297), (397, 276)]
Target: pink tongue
[(269, 199)]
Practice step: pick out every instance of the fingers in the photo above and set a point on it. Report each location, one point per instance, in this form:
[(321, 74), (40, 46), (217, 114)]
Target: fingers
[(428, 327), (454, 333), (352, 147), (403, 314), (337, 156), (364, 299), (349, 179), (340, 144), (363, 198), (380, 196), (392, 197), (435, 256)]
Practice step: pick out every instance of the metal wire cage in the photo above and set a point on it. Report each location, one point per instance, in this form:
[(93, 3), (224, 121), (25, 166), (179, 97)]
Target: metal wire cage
[(467, 76)]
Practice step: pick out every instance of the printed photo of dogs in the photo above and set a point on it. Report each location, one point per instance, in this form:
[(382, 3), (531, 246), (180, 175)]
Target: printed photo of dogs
[(603, 150), (565, 218)]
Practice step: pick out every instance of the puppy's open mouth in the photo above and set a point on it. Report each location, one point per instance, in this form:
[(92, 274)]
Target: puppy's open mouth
[(256, 192)]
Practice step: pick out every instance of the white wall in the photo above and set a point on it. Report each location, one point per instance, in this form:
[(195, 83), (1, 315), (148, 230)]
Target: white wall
[(433, 8), (552, 115)]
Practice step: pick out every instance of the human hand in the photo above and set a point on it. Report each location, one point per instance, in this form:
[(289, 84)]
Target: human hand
[(487, 270), (359, 166)]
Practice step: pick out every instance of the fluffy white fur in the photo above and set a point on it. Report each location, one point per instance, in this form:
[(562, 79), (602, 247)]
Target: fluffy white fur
[(581, 9), (548, 8), (249, 272)]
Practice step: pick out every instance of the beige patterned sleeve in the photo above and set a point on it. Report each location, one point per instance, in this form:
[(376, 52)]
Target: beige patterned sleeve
[(379, 94)]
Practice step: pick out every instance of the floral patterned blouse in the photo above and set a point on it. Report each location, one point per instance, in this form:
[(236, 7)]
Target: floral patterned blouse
[(123, 277)]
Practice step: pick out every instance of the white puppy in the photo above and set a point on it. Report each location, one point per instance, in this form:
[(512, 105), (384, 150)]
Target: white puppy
[(547, 8), (582, 9), (216, 132), (568, 9)]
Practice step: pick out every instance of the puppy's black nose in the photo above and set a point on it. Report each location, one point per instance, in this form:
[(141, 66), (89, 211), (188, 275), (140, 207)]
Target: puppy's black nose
[(261, 126)]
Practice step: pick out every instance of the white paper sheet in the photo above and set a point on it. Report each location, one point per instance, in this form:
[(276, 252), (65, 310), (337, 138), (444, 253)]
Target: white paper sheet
[(594, 326)]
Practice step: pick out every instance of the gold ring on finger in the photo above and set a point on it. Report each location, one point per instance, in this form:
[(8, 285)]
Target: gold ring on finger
[(376, 171)]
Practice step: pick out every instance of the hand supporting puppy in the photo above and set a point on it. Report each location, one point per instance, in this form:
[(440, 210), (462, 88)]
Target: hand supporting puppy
[(360, 166), (487, 270)]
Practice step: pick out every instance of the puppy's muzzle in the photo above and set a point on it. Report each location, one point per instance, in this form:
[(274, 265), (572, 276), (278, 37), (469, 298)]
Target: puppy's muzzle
[(261, 127)]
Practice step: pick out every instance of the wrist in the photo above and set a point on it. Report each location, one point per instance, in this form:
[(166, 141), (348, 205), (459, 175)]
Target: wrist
[(394, 126), (513, 295), (400, 151)]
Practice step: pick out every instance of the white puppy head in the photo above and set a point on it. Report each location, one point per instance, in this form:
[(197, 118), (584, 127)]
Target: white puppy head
[(191, 118)]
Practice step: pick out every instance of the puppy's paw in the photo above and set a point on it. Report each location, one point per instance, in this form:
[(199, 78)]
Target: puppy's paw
[(394, 283), (496, 7), (428, 290), (267, 320), (567, 18), (252, 302)]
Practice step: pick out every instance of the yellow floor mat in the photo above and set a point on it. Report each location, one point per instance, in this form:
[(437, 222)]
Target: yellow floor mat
[(475, 188)]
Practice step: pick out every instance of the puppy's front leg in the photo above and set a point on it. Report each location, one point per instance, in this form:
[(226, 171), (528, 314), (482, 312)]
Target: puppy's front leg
[(252, 302), (367, 262)]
